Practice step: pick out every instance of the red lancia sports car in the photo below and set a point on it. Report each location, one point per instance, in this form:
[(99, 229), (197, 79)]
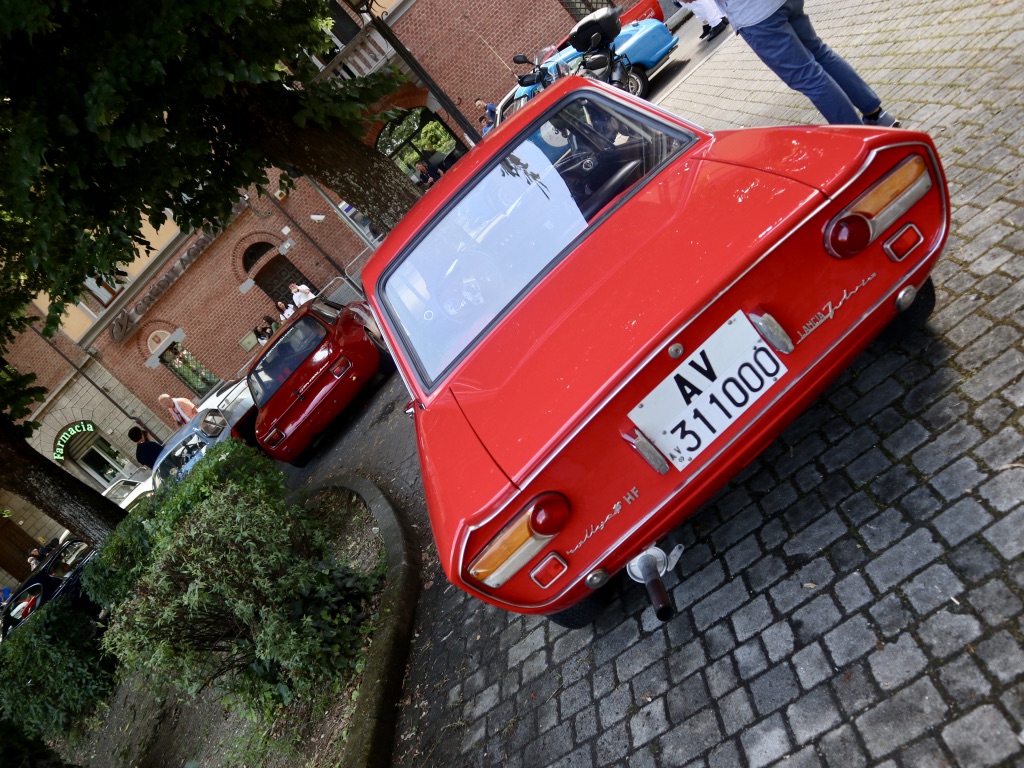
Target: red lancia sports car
[(309, 372), (604, 312)]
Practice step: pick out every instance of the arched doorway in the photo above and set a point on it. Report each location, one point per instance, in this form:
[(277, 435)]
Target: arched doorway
[(254, 253), (84, 444), (275, 277)]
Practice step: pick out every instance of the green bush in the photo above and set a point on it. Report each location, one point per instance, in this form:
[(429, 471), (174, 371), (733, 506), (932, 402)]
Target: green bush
[(125, 556), (52, 670), (240, 590)]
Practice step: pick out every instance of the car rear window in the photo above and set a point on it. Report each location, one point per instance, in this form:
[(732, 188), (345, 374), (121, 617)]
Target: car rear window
[(297, 343), (513, 224)]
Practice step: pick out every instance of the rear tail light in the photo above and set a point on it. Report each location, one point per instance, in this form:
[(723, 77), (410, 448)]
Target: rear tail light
[(340, 367), (863, 222), (519, 541), (274, 437)]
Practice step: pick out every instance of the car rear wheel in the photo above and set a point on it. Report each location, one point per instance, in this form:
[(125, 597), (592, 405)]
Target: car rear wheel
[(638, 83), (387, 363), (914, 316), (583, 614)]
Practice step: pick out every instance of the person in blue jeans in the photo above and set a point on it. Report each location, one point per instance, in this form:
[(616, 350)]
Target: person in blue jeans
[(781, 35)]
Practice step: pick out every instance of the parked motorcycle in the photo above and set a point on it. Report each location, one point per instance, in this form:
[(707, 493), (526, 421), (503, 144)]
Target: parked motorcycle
[(642, 46), (546, 69), (594, 37)]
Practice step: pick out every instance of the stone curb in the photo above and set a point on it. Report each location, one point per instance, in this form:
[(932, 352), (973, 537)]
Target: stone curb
[(371, 733)]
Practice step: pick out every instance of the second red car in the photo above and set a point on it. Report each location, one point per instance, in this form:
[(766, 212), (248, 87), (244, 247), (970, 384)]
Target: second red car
[(309, 372)]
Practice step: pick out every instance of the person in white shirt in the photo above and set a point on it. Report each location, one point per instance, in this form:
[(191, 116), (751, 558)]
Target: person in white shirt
[(181, 409), (286, 310), (300, 294)]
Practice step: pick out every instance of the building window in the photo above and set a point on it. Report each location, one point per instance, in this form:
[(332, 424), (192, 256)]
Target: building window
[(8, 372), (254, 253), (156, 338), (103, 292), (189, 370)]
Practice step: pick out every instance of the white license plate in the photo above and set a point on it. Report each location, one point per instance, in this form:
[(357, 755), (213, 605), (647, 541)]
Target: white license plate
[(708, 391)]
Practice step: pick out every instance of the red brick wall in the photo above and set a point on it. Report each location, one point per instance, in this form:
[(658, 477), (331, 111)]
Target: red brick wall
[(205, 301), (467, 45)]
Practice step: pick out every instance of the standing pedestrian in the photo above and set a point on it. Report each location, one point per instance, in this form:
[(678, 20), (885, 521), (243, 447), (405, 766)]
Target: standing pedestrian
[(710, 14), (490, 109), (286, 310), (300, 294), (147, 450), (181, 409), (781, 35)]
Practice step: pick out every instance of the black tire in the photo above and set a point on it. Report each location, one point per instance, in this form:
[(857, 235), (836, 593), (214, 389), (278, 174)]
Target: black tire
[(915, 316), (386, 364), (581, 615), (637, 82)]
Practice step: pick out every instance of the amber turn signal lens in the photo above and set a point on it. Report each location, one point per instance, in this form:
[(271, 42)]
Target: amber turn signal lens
[(871, 214), (519, 541)]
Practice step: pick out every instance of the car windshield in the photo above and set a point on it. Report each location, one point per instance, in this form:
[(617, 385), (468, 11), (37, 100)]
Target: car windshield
[(510, 227), (289, 352), (236, 404), (175, 460), (120, 490)]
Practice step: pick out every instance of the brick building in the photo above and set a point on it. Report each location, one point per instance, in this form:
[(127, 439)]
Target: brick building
[(183, 320), (181, 323)]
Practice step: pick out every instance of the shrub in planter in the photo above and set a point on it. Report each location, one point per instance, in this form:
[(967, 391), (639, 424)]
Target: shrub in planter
[(124, 557), (52, 670), (240, 589)]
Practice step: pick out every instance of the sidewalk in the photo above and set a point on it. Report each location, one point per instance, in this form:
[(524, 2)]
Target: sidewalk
[(854, 598)]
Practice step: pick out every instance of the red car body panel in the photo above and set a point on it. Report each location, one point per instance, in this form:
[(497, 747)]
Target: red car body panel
[(312, 396), (644, 9), (618, 306), (548, 397)]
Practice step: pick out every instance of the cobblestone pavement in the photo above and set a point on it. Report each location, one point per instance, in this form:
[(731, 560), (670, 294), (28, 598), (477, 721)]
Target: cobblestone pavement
[(854, 598)]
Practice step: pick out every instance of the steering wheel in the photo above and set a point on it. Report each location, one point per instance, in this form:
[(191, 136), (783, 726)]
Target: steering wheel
[(470, 287), (578, 163)]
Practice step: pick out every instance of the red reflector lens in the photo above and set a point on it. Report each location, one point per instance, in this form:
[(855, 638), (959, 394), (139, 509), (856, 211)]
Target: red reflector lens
[(340, 367), (850, 235), (549, 515), (901, 244), (550, 568)]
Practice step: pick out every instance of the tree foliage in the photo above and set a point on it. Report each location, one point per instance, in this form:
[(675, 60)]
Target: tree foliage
[(112, 112), (52, 670)]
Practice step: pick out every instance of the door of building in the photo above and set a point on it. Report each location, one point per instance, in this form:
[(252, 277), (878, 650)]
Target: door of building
[(277, 275), (15, 545)]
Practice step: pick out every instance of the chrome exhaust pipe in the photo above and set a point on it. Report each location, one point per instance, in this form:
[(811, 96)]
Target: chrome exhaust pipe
[(647, 568)]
